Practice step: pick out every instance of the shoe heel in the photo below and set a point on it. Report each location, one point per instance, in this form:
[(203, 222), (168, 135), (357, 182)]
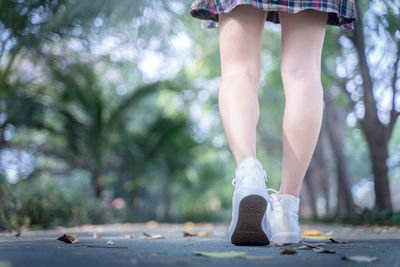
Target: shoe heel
[(248, 229)]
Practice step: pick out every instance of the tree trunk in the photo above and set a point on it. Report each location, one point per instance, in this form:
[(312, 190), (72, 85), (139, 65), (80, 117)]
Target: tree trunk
[(167, 199), (381, 185), (376, 133), (133, 203), (317, 175), (311, 194), (335, 122), (323, 152), (308, 207), (378, 149), (97, 183)]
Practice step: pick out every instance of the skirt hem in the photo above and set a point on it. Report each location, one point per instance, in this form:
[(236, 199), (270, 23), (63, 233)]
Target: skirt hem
[(209, 16)]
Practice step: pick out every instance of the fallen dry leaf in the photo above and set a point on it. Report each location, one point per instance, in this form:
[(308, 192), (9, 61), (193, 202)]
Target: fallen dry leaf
[(110, 242), (96, 235), (338, 240), (16, 234), (67, 238), (288, 251), (323, 250), (227, 254), (358, 258), (315, 247), (190, 233), (311, 232), (157, 236), (312, 245)]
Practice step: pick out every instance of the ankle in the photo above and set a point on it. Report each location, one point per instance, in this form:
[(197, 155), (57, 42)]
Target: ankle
[(283, 191), (251, 169), (249, 162), (288, 196), (243, 159)]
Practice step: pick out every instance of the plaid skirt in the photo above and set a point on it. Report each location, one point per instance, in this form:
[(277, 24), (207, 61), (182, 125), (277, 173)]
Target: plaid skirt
[(341, 13)]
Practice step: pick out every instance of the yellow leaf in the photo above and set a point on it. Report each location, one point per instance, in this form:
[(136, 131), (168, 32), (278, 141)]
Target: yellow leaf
[(203, 234), (311, 232), (188, 225), (190, 233)]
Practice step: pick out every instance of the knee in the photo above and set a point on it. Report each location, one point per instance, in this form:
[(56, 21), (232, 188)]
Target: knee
[(241, 72), (300, 71)]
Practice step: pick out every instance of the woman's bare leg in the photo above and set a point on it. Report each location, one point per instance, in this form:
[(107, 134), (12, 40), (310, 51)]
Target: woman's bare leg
[(240, 34), (303, 35)]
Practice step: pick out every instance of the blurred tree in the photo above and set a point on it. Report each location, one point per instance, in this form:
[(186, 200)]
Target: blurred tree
[(73, 117), (27, 24), (87, 120), (335, 122), (118, 118), (318, 176), (375, 124)]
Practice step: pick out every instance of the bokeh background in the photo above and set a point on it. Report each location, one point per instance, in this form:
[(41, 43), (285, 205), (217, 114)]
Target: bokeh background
[(109, 113)]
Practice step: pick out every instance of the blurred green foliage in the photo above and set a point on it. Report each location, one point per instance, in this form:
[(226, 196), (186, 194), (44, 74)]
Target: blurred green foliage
[(109, 113), (41, 203)]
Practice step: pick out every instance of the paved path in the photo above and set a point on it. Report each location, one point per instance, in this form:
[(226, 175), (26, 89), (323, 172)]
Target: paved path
[(41, 248)]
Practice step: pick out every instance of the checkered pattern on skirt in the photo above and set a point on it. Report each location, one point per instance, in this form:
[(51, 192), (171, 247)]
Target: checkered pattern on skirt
[(340, 12)]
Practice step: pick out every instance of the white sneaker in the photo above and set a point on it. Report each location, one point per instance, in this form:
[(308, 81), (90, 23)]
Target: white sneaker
[(283, 219), (249, 225)]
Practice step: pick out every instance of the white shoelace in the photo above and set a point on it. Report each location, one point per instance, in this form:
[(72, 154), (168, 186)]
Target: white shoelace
[(269, 199)]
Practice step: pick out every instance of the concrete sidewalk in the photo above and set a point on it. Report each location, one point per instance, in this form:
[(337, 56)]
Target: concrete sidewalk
[(130, 247)]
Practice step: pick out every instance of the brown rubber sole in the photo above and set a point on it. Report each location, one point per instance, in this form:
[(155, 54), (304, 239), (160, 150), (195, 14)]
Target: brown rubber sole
[(248, 230)]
